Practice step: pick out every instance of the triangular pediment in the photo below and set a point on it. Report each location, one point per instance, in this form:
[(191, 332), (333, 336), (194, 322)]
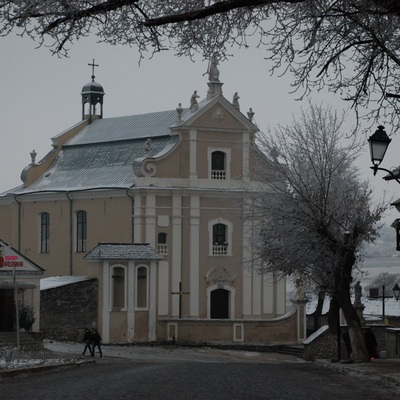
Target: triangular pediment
[(13, 261), (218, 113)]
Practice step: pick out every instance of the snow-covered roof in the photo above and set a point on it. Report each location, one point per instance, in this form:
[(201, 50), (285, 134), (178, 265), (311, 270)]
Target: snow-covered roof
[(123, 251), (96, 166), (57, 281), (103, 153), (132, 127)]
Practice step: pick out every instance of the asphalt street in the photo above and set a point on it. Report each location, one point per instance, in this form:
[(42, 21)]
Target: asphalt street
[(139, 372)]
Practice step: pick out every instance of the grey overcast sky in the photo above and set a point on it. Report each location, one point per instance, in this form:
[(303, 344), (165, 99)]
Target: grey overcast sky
[(40, 96)]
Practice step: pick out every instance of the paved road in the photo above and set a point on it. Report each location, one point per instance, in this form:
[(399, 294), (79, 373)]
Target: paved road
[(217, 379)]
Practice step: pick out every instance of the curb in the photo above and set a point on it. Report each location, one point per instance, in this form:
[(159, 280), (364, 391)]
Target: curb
[(6, 373), (366, 373)]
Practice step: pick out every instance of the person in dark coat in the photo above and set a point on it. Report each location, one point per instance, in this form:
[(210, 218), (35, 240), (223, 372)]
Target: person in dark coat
[(96, 343), (371, 343), (88, 340)]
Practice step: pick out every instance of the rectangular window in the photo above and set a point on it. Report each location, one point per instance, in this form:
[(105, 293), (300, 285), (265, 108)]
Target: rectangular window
[(81, 231), (219, 231), (218, 169), (141, 287), (162, 244), (118, 285), (44, 232), (220, 246)]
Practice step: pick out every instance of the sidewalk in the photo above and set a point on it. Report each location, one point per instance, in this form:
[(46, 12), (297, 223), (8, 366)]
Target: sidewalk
[(382, 370)]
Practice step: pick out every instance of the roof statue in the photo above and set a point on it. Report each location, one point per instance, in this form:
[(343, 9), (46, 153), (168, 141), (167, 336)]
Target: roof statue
[(214, 84), (235, 101), (179, 111), (250, 114), (194, 105), (213, 71)]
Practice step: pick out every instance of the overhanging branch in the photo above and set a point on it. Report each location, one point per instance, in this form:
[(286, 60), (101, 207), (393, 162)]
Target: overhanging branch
[(216, 8)]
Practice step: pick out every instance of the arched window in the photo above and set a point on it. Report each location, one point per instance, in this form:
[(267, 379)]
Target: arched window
[(44, 232), (141, 287), (219, 234), (118, 287), (81, 231), (218, 165)]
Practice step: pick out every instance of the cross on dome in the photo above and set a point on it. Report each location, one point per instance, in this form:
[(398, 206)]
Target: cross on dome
[(93, 65)]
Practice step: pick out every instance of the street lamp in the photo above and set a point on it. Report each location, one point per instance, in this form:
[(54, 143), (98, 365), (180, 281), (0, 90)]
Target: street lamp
[(378, 144), (396, 292), (396, 225)]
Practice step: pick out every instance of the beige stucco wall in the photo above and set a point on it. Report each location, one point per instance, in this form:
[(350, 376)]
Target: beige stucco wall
[(271, 332), (7, 222), (108, 221)]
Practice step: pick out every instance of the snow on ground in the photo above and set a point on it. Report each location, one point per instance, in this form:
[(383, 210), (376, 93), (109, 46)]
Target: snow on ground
[(11, 358)]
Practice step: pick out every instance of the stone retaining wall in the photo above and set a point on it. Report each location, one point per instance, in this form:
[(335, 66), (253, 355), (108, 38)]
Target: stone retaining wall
[(67, 310)]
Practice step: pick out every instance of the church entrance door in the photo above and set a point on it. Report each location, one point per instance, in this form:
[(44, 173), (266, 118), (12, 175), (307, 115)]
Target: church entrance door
[(6, 310), (219, 304)]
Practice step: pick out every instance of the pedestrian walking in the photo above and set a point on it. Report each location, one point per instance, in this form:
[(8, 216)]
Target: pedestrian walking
[(88, 340), (96, 343)]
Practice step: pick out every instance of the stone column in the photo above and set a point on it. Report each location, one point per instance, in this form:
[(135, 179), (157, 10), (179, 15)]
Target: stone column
[(300, 305)]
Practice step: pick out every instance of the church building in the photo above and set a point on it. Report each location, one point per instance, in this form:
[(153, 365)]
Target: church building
[(152, 207)]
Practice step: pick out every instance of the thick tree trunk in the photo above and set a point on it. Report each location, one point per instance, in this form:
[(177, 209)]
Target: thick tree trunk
[(343, 279), (318, 311)]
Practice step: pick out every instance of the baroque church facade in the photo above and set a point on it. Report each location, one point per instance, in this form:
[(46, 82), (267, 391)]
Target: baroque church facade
[(152, 207)]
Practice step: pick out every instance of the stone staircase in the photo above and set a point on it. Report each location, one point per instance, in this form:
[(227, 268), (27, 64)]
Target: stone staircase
[(295, 350), (27, 341)]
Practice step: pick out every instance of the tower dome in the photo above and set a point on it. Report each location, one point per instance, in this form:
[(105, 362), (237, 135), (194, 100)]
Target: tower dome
[(92, 94)]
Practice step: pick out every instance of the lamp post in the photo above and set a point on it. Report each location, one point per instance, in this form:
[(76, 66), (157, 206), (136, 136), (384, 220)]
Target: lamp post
[(378, 144), (396, 292)]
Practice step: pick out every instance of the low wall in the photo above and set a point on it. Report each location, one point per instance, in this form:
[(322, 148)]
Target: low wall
[(281, 330), (323, 344)]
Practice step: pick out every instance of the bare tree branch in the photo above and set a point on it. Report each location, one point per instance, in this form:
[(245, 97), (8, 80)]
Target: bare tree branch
[(350, 47)]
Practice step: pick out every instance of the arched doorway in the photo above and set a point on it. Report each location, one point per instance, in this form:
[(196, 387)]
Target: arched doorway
[(219, 305)]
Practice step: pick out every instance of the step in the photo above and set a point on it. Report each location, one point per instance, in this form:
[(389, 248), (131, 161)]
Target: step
[(297, 351)]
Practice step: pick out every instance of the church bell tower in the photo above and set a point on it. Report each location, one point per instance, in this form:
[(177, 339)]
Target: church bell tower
[(92, 94)]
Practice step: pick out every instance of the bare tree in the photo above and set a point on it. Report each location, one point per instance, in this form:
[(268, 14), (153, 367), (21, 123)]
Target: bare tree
[(317, 212), (348, 46)]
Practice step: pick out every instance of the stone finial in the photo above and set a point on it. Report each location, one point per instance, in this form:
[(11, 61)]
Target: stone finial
[(235, 101), (179, 111), (194, 105), (33, 157), (148, 146), (250, 114)]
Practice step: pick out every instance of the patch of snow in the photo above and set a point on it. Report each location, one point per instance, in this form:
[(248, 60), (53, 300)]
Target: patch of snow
[(373, 307), (57, 281)]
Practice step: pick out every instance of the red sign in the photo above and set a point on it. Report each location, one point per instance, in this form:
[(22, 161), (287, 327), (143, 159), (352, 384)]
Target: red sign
[(10, 261)]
